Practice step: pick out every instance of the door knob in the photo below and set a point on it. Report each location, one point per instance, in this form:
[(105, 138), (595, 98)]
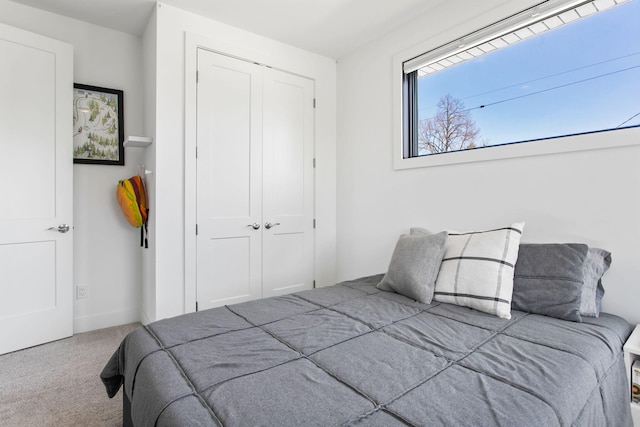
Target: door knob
[(62, 228), (255, 225), (269, 225)]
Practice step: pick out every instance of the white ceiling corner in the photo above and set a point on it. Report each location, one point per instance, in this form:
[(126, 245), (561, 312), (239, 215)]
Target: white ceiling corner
[(332, 28)]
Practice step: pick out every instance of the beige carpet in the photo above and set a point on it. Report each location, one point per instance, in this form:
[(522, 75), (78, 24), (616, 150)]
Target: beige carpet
[(58, 384)]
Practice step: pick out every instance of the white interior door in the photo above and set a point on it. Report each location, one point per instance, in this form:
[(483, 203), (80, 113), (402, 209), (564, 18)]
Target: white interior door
[(287, 183), (229, 188), (36, 189), (254, 181)]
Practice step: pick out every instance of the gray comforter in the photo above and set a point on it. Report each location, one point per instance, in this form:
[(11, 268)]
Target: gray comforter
[(353, 355)]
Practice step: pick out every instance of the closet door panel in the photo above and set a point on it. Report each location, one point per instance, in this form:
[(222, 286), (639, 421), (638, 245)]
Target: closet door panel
[(229, 182), (287, 183), (229, 177), (230, 259)]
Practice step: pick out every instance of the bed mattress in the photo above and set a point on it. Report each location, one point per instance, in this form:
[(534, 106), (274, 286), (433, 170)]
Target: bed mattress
[(351, 354)]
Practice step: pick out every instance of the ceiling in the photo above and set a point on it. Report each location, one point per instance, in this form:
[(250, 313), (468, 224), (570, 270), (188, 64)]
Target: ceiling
[(331, 28)]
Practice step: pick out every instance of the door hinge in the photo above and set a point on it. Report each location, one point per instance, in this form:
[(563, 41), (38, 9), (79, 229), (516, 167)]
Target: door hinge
[(197, 76), (196, 151), (196, 229), (196, 305), (314, 103), (314, 283), (314, 223), (314, 162)]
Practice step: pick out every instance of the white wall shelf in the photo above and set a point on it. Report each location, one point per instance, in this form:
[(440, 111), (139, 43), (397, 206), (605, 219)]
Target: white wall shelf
[(138, 141), (632, 353)]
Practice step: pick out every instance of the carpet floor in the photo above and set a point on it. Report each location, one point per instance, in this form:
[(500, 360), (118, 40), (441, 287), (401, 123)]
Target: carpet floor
[(58, 384)]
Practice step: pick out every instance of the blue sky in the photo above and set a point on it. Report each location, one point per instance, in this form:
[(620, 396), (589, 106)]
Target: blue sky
[(596, 48)]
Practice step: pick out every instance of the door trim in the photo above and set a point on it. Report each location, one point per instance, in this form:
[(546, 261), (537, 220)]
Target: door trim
[(193, 42)]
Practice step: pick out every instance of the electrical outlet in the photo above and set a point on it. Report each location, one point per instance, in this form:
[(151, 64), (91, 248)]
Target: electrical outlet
[(82, 291)]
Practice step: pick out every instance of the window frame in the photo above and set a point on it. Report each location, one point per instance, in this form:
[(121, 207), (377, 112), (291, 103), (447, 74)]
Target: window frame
[(404, 91)]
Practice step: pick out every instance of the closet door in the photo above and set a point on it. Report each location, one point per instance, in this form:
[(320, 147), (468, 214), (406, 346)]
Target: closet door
[(254, 181), (287, 183), (229, 180)]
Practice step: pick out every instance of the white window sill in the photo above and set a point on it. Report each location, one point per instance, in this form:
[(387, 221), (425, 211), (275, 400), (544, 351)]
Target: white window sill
[(587, 141)]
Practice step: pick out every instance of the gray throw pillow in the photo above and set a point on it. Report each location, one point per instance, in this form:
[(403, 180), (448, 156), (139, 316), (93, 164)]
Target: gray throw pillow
[(595, 265), (420, 231), (548, 279), (414, 266)]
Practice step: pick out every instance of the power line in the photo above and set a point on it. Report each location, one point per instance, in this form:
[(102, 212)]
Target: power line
[(629, 119), (554, 75), (552, 88), (545, 77)]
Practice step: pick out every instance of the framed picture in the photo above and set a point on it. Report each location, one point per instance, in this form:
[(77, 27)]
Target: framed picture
[(98, 128)]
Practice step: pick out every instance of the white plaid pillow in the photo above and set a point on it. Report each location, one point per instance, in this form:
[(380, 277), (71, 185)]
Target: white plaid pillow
[(477, 269)]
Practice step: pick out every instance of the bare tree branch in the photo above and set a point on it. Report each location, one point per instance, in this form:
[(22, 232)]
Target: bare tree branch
[(451, 129)]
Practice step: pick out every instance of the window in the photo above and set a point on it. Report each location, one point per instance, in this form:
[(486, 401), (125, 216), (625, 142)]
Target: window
[(553, 70)]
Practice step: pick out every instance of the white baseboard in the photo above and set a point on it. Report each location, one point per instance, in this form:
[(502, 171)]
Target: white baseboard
[(105, 320), (144, 319)]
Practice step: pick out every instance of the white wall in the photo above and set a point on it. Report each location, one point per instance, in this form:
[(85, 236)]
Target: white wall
[(588, 196), (171, 243), (148, 295), (106, 248)]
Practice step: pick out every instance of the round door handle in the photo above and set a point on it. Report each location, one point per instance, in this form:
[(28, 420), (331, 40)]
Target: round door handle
[(62, 228), (255, 225), (269, 225)]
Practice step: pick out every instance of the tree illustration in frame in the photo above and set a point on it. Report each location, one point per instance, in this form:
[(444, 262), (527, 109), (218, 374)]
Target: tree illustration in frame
[(98, 125)]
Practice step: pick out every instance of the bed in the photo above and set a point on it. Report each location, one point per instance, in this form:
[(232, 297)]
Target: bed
[(357, 354)]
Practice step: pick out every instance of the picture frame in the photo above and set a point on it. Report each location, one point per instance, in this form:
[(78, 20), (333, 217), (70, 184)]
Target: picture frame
[(98, 125)]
